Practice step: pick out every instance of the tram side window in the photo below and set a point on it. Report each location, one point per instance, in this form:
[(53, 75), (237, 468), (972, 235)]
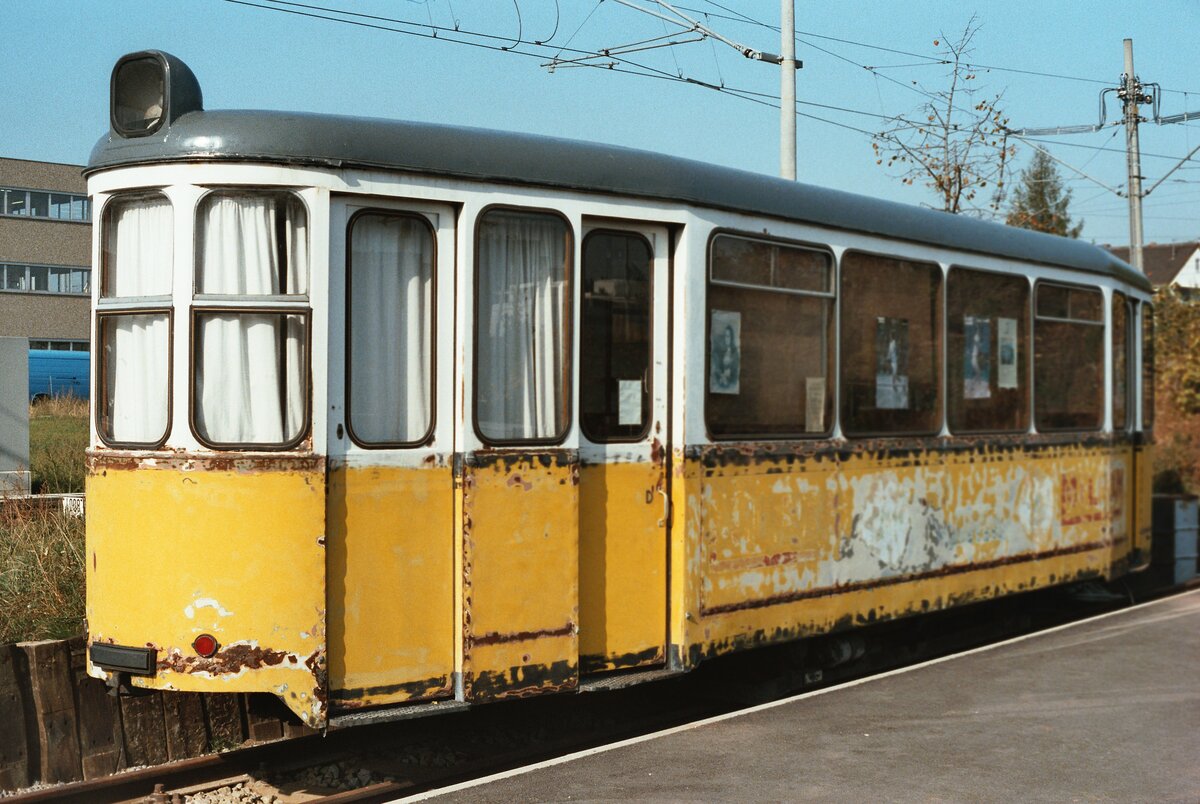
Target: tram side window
[(891, 345), (769, 339), (614, 358), (522, 326), (390, 314), (987, 352), (250, 386), (1147, 367), (1068, 343), (134, 342), (1122, 348)]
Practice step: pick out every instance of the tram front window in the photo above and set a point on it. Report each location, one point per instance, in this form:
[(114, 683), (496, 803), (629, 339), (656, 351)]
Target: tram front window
[(134, 337), (250, 324)]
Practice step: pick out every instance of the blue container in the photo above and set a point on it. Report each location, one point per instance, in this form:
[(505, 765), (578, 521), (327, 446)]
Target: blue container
[(53, 372)]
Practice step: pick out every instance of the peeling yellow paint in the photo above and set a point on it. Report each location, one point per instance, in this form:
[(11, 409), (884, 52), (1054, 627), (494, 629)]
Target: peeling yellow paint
[(622, 566), (391, 584), (176, 552)]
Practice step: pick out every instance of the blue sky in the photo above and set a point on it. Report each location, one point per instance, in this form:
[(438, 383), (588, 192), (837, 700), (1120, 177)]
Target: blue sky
[(53, 96)]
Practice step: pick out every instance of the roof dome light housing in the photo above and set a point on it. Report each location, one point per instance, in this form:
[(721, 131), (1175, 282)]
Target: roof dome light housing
[(150, 89)]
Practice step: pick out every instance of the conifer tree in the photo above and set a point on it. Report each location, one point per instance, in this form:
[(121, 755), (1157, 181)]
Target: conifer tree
[(1040, 202)]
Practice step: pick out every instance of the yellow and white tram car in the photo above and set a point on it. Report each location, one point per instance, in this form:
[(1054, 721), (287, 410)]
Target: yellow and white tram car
[(398, 415)]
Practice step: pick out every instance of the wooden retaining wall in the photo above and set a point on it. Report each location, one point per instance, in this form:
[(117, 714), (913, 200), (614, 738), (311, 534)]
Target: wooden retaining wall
[(57, 724)]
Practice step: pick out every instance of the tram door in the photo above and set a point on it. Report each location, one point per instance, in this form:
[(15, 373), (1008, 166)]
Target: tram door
[(390, 510), (624, 454)]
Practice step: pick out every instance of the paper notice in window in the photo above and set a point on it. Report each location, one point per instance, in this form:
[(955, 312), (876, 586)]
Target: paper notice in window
[(629, 403), (1006, 359), (814, 404)]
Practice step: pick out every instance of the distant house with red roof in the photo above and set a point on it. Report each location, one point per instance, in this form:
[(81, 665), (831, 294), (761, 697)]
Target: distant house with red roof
[(1168, 264)]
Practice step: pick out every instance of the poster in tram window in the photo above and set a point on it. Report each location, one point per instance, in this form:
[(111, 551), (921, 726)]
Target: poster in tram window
[(977, 356), (891, 363), (1006, 330), (725, 346)]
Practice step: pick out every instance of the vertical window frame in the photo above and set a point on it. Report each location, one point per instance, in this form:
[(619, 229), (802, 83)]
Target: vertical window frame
[(1126, 304), (568, 386), (428, 436), (1147, 376)]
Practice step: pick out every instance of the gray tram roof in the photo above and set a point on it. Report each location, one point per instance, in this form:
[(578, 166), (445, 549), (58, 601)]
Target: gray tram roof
[(485, 155)]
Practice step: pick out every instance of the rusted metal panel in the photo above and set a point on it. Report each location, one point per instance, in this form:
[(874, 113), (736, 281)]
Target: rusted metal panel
[(391, 584), (239, 541), (622, 564), (852, 533), (520, 574)]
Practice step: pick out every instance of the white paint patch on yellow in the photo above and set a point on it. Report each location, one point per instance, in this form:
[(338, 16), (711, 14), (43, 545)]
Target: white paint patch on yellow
[(206, 603)]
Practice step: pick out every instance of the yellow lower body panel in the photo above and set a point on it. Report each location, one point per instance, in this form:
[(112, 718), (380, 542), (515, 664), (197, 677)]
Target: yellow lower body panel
[(520, 575), (231, 548), (784, 545), (391, 585), (622, 566)]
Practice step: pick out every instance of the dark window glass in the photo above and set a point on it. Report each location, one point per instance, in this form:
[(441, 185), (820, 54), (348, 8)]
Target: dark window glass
[(987, 352), (60, 206), (39, 204), (1068, 342), (1147, 367), (12, 277), (891, 345), (16, 202), (1122, 343), (614, 368), (770, 340), (39, 278), (522, 310)]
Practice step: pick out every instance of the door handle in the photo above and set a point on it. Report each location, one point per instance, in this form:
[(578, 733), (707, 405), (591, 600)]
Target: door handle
[(662, 523)]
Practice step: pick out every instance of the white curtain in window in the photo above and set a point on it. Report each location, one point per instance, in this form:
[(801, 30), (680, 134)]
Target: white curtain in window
[(250, 383), (138, 245), (520, 393), (252, 245), (138, 263), (391, 264), (250, 377), (136, 361)]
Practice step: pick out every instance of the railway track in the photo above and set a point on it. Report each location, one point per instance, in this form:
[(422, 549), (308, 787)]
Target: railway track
[(387, 761)]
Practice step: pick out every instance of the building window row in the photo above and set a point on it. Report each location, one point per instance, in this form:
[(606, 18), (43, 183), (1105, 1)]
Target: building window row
[(45, 204), (60, 345), (45, 278)]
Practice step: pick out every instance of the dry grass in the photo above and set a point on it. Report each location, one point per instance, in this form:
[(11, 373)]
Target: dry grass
[(58, 439), (41, 574)]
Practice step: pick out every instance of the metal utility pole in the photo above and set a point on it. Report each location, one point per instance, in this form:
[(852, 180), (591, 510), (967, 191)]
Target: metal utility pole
[(1131, 94), (787, 90)]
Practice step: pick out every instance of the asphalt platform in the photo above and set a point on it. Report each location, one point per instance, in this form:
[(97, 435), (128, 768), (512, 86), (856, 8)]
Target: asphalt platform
[(1107, 709)]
